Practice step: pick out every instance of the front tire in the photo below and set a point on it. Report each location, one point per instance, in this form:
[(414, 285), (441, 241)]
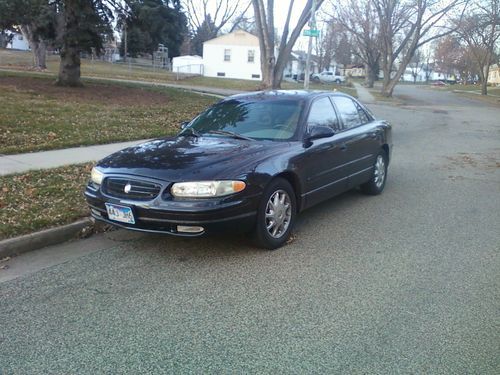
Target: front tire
[(376, 183), (276, 215)]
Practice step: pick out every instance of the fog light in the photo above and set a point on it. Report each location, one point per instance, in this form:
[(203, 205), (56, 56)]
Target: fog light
[(189, 229)]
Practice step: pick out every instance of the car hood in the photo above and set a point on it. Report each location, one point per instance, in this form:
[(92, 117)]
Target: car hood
[(191, 158)]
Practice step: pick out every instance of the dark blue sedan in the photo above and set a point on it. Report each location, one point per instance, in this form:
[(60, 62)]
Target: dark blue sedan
[(250, 162)]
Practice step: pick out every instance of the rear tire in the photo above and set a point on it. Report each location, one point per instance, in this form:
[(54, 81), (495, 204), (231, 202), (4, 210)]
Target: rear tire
[(376, 183), (276, 215)]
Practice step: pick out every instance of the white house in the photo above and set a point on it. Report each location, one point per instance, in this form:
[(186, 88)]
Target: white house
[(188, 64), (19, 42), (296, 65), (357, 71), (420, 75), (494, 75), (233, 55)]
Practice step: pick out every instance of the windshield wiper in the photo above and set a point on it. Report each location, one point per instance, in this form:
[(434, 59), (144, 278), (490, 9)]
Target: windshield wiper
[(190, 131), (231, 134)]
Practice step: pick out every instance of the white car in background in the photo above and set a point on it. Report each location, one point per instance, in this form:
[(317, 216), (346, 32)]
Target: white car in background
[(328, 77)]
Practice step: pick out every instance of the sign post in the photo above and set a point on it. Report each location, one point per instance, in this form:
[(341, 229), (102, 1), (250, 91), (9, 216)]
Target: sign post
[(313, 32)]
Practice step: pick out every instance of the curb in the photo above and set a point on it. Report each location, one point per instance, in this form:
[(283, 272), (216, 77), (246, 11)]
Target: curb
[(47, 237)]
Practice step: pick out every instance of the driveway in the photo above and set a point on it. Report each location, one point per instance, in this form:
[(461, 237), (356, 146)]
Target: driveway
[(406, 282)]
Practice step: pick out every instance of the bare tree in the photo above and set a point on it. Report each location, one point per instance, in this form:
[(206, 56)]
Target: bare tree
[(406, 25), (325, 48), (219, 13), (416, 64), (335, 46), (360, 20), (480, 30), (207, 18), (272, 67)]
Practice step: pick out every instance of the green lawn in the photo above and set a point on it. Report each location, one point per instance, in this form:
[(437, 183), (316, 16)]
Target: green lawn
[(21, 60), (35, 115), (38, 200)]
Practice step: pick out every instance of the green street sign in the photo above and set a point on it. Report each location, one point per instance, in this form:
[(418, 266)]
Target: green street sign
[(311, 32)]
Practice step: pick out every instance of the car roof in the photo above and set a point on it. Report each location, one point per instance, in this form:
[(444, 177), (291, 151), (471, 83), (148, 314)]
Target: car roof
[(283, 94)]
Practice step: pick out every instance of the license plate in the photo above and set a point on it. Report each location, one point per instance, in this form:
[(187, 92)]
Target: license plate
[(120, 213)]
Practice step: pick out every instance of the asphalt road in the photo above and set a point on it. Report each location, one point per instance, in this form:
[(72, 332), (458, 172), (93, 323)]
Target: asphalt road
[(405, 282)]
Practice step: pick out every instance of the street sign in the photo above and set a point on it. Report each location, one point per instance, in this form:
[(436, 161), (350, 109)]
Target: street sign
[(311, 32)]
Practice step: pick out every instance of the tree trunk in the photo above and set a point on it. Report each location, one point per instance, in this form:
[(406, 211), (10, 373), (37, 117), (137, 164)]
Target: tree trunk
[(279, 69), (39, 52), (388, 89), (69, 68), (371, 75), (272, 67), (37, 45), (267, 67), (4, 39), (484, 80), (391, 82), (386, 83)]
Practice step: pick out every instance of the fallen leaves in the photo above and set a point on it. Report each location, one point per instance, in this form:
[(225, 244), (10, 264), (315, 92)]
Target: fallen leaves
[(38, 200), (46, 121)]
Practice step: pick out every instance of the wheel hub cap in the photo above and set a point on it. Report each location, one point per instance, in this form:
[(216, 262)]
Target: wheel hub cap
[(278, 213), (379, 174)]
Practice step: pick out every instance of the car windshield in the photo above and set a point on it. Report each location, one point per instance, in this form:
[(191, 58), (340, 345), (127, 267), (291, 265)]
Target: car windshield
[(270, 119)]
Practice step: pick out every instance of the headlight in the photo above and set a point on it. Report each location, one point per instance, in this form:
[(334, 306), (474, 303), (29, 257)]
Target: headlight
[(96, 176), (206, 189)]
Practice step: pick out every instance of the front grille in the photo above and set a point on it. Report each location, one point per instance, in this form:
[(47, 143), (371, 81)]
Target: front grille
[(139, 190)]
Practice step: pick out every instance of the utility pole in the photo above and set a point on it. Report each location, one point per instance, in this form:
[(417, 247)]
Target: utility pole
[(312, 25)]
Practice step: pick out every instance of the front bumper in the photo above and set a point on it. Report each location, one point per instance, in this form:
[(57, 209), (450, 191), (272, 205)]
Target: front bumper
[(159, 216)]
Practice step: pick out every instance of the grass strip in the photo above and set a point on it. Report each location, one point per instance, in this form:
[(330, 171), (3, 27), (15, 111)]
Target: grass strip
[(42, 199)]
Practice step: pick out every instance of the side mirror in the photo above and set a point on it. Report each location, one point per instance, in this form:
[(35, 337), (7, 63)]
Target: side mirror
[(319, 131), (184, 124)]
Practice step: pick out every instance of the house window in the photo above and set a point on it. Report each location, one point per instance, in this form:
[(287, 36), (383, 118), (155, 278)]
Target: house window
[(251, 55), (20, 37), (227, 55), (220, 74), (255, 75)]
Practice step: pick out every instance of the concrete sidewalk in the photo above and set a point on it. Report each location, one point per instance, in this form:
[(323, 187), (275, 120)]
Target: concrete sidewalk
[(10, 164), (364, 95), (213, 91)]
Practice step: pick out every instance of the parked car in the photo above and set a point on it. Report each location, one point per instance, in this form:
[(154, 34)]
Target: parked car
[(439, 83), (252, 162), (328, 77)]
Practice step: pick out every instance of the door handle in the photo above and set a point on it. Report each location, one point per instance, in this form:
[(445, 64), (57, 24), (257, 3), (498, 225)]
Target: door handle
[(343, 147)]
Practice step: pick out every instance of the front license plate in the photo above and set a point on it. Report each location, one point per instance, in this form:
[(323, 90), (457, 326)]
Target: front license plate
[(120, 213)]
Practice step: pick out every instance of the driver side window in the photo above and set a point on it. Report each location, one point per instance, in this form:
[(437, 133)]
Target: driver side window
[(323, 114)]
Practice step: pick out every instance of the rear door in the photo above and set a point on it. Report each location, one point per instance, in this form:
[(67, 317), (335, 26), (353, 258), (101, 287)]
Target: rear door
[(361, 141)]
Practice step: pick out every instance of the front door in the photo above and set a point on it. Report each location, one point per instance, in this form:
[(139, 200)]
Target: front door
[(324, 158)]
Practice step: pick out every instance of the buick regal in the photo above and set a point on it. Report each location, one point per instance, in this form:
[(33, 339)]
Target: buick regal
[(251, 162)]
